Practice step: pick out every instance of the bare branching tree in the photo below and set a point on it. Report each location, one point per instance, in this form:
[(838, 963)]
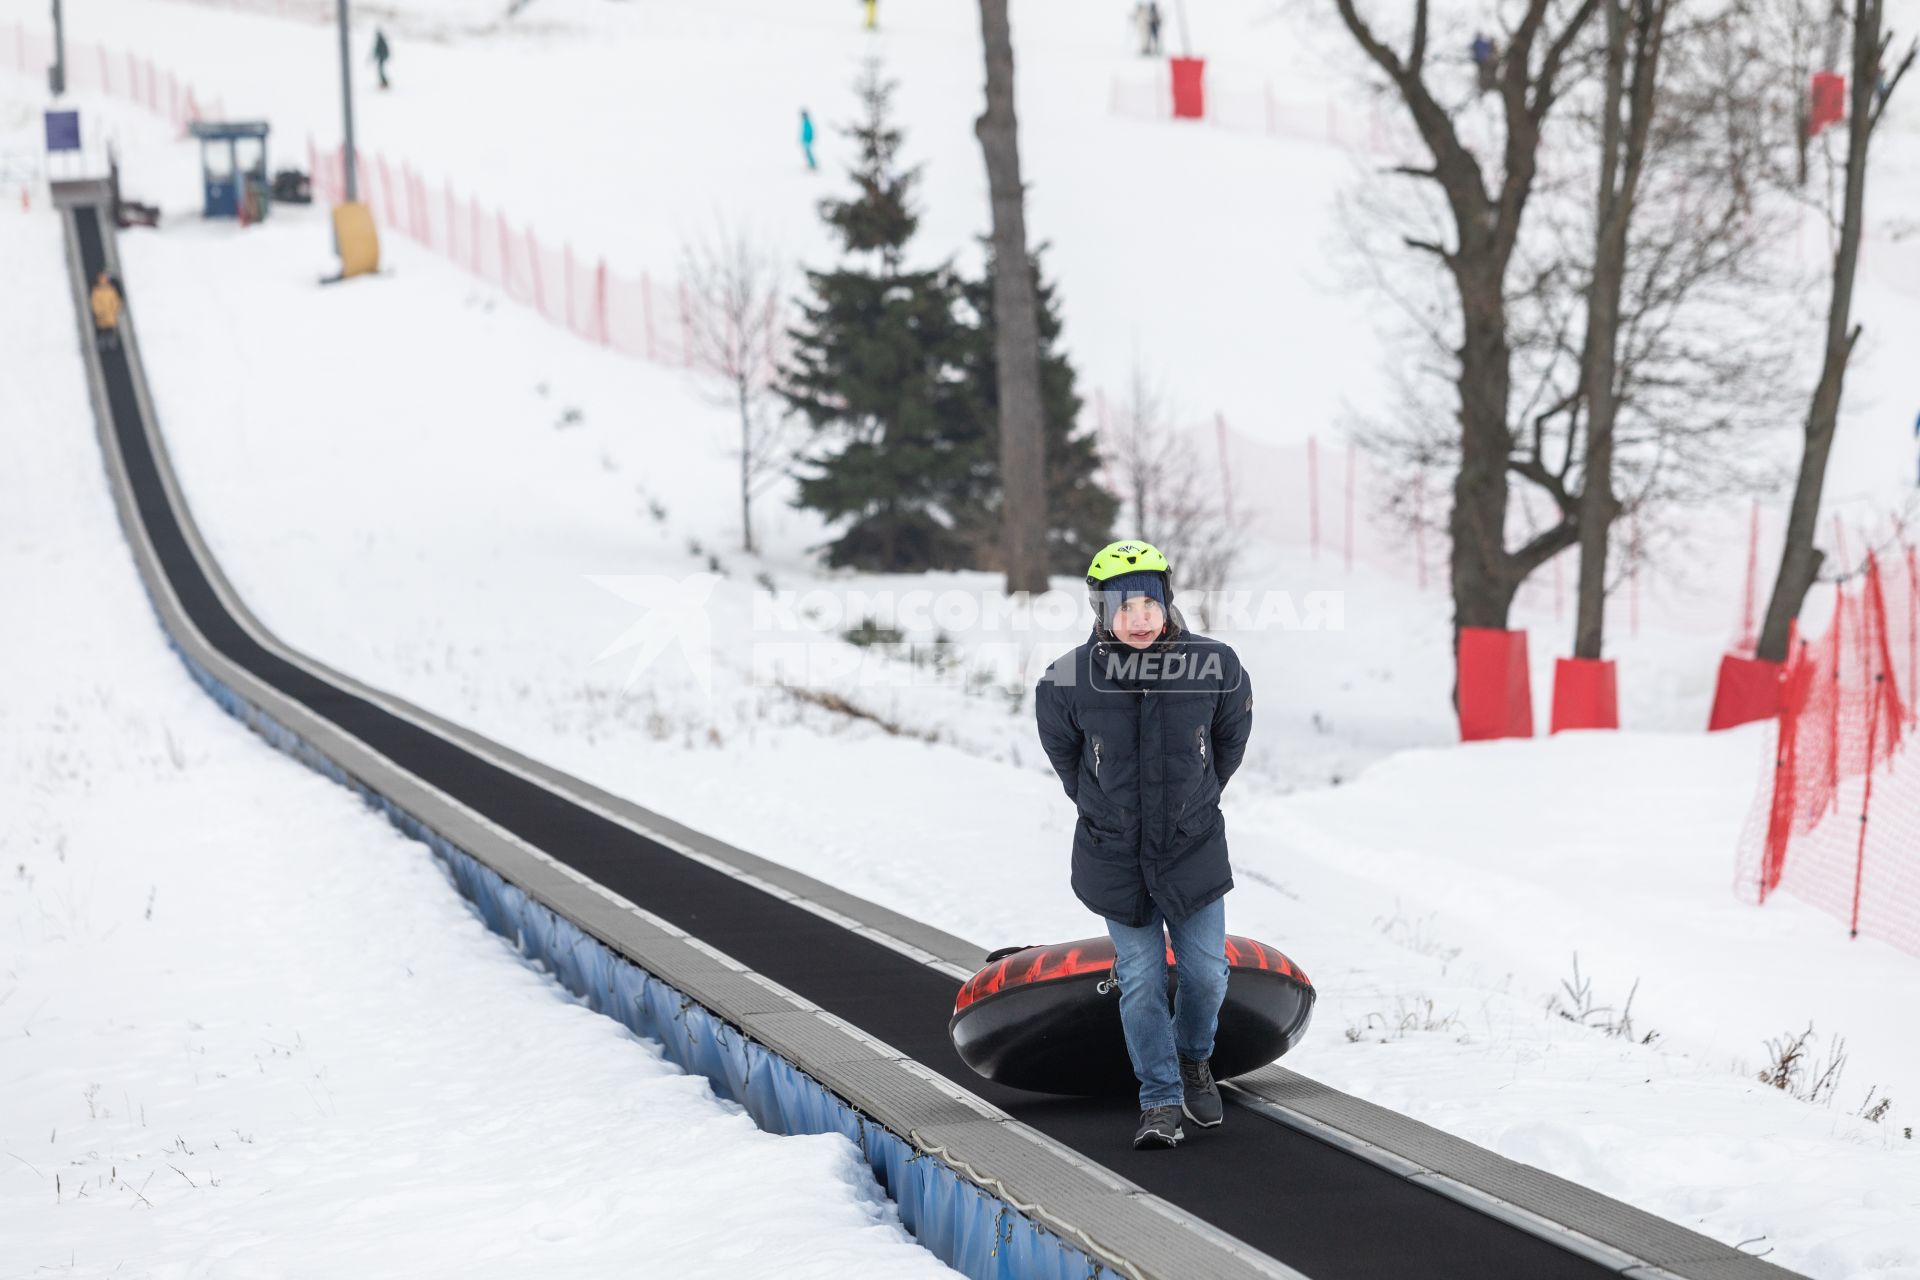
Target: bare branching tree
[(1800, 560), (736, 289), (1169, 495), (1484, 215), (1638, 331)]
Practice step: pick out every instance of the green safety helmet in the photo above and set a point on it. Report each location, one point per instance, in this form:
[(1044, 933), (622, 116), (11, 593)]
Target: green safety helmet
[(1117, 558)]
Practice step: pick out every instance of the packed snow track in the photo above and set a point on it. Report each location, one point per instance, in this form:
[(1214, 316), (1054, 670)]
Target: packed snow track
[(1301, 1181)]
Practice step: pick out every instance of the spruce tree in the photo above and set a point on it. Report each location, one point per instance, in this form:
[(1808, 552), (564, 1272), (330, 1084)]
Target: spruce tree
[(1080, 511), (896, 437)]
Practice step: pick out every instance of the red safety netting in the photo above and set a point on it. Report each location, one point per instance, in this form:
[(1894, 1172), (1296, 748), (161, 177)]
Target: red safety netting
[(93, 68), (1319, 495), (644, 317), (1837, 821)]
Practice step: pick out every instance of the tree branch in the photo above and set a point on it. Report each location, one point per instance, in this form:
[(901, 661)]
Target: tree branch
[(1898, 74)]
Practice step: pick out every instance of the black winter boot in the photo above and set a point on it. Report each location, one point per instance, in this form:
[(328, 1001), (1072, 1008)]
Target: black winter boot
[(1202, 1102), (1159, 1127)]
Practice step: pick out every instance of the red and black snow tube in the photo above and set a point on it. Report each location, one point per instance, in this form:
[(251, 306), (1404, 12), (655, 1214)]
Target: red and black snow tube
[(1048, 1018)]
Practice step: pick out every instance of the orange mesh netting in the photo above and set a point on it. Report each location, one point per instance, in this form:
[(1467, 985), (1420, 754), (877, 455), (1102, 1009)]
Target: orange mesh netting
[(1837, 822)]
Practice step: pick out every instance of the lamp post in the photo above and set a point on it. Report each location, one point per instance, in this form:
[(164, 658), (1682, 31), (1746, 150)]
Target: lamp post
[(346, 107), (57, 73)]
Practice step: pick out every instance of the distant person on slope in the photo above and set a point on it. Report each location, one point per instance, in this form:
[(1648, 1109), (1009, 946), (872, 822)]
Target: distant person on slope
[(1143, 28), (106, 312), (380, 55), (1145, 723), (1486, 60), (806, 137), (1153, 27)]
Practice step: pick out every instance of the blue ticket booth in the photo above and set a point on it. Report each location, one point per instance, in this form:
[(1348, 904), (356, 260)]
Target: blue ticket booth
[(233, 168)]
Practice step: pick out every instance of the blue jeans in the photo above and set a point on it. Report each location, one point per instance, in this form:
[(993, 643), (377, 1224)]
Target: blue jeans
[(1157, 1037)]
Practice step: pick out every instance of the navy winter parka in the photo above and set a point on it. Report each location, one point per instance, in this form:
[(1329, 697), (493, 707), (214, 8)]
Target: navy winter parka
[(1144, 741)]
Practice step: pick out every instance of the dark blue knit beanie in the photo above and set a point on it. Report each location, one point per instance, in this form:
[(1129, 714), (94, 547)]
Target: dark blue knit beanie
[(1120, 588)]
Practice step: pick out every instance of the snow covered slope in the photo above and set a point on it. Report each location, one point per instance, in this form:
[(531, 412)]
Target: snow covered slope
[(419, 483), (250, 1029), (436, 522)]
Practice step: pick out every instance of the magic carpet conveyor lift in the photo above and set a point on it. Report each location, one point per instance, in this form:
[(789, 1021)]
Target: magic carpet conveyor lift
[(844, 1004)]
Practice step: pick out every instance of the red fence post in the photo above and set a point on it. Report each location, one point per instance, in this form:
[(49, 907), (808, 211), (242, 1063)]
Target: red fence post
[(453, 223), (386, 192), (539, 286), (506, 256), (567, 262), (646, 310), (1874, 618), (1313, 494), (600, 302), (1887, 688)]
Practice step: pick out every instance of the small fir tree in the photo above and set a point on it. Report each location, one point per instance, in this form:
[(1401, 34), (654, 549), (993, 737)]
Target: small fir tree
[(873, 373)]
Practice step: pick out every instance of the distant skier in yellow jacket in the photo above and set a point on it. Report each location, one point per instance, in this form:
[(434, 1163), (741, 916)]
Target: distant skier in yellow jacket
[(106, 312)]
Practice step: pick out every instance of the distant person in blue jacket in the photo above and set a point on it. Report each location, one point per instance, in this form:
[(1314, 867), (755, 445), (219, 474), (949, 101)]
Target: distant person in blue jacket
[(1486, 61), (806, 137), (1145, 723), (380, 55)]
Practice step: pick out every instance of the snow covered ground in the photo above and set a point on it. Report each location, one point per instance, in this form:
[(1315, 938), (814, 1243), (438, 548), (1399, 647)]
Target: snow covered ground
[(248, 1028), (420, 484)]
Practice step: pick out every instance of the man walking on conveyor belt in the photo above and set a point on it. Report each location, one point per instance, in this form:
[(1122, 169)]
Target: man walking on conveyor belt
[(1145, 723)]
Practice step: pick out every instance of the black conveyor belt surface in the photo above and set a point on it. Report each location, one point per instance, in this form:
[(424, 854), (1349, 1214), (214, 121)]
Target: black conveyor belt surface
[(1320, 1210)]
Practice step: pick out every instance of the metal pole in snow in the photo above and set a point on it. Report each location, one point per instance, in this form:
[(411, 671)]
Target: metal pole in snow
[(57, 73), (346, 105)]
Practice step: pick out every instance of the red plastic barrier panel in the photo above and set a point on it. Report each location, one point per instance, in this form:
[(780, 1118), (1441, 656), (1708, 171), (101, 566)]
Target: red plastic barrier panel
[(1748, 690), (1496, 695), (1829, 101), (1585, 694), (1189, 88)]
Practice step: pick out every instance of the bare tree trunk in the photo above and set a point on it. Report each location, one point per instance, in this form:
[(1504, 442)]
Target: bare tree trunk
[(1622, 156), (1486, 209), (1023, 502), (1482, 592), (1800, 559)]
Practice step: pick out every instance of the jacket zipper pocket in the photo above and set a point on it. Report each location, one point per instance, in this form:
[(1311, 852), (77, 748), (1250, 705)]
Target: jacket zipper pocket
[(1096, 758), (1200, 738)]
